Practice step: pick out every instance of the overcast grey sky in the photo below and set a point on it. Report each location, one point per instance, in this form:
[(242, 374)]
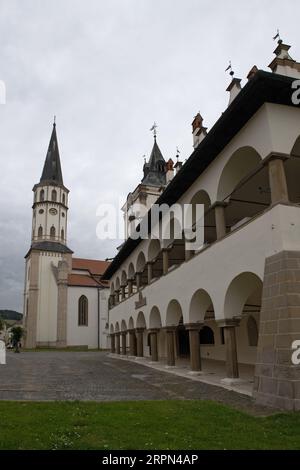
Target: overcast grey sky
[(108, 69)]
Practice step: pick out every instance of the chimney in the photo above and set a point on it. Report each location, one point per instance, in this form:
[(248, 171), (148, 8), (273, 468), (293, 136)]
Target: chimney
[(199, 132), (252, 72), (169, 170), (234, 88), (283, 63)]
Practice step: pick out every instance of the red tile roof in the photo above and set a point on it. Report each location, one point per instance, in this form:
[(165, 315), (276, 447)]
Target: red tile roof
[(82, 280), (96, 267)]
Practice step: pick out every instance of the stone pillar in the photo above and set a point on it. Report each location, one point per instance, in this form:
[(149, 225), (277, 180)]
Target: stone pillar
[(122, 292), (195, 356), (32, 311), (277, 178), (150, 271), (112, 343), (132, 343), (140, 341), (123, 336), (62, 303), (130, 282), (170, 331), (153, 342), (229, 326), (220, 220), (165, 255), (277, 377), (118, 343)]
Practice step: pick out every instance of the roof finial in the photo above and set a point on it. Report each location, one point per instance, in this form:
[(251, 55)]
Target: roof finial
[(277, 35), (54, 121), (144, 157), (177, 153), (230, 68), (153, 128)]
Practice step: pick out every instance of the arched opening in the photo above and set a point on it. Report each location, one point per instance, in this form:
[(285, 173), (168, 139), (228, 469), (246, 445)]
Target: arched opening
[(111, 329), (52, 232), (42, 195), (244, 187), (131, 277), (243, 301), (140, 321), (155, 256), (40, 232), (62, 234), (252, 330), (155, 318), (123, 325), (207, 336), (54, 195), (174, 318), (83, 311), (292, 172), (141, 270), (64, 199), (130, 324), (124, 286), (202, 219), (173, 241)]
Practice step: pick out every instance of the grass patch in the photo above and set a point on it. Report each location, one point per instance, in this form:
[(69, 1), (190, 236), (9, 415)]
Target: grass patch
[(142, 425)]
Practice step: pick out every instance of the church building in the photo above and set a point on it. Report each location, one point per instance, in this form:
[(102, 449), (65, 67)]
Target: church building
[(65, 298)]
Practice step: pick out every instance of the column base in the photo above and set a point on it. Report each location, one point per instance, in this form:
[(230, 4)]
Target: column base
[(195, 372)]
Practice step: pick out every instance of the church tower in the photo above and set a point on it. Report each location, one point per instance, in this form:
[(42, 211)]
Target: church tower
[(148, 191), (48, 261)]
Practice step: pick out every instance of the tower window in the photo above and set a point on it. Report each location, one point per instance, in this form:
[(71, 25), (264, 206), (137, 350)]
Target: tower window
[(83, 311), (62, 234), (52, 232), (40, 232), (42, 195), (64, 199), (53, 196)]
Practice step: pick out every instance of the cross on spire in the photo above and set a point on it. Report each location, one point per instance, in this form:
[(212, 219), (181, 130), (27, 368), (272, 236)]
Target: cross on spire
[(153, 128)]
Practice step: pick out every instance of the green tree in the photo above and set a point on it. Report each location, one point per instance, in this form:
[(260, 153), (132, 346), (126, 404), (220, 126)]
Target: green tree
[(17, 333)]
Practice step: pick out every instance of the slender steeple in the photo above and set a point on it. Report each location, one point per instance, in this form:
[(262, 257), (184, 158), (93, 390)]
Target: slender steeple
[(155, 169), (52, 167)]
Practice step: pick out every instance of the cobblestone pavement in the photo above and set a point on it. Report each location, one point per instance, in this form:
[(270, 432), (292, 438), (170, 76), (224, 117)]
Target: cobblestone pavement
[(60, 375)]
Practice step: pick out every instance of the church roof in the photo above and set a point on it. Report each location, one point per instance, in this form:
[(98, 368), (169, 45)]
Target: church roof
[(82, 280), (52, 168), (49, 246), (96, 267), (154, 170)]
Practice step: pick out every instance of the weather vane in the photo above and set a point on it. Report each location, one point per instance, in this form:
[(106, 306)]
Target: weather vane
[(177, 152), (230, 68), (153, 128), (277, 35)]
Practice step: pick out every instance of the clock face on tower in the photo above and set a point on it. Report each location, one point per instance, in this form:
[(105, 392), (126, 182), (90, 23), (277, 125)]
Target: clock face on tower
[(53, 211)]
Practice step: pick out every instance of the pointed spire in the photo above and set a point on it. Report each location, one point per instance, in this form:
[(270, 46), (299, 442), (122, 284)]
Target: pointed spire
[(52, 168), (155, 168)]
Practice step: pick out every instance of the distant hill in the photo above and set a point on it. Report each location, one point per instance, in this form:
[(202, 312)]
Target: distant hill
[(10, 315)]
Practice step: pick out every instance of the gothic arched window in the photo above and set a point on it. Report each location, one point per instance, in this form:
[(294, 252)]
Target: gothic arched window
[(62, 234), (252, 331), (42, 195), (52, 232), (53, 196), (83, 311), (40, 232), (207, 335), (64, 199)]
